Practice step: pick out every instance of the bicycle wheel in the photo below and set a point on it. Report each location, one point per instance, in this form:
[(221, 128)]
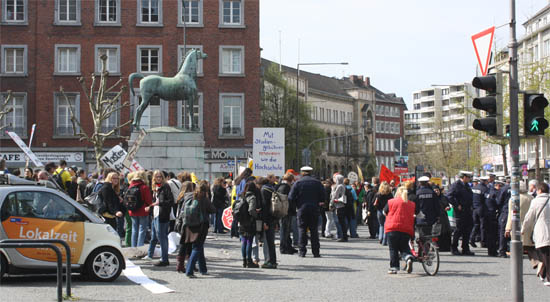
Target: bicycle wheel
[(430, 258)]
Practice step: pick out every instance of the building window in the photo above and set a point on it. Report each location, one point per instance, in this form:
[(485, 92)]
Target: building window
[(107, 13), (231, 60), (322, 114), (190, 13), (67, 59), (155, 115), (62, 111), (335, 116), (14, 11), (183, 115), (150, 12), (181, 56), (16, 120), (231, 110), (231, 13), (113, 58), (14, 60), (67, 12), (149, 58)]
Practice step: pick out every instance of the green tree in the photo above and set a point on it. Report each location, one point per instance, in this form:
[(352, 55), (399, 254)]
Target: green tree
[(280, 109)]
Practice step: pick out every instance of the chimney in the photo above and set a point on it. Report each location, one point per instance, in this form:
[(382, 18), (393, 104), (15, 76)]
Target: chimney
[(356, 79), (367, 81)]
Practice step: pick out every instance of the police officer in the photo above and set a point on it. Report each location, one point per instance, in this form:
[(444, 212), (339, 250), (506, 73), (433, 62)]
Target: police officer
[(502, 203), (427, 207), (480, 192), (308, 194), (491, 221), (460, 196), (492, 178)]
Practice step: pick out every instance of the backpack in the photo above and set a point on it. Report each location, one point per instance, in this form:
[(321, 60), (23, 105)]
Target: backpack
[(132, 199), (58, 179), (240, 212), (192, 214), (279, 204), (94, 199)]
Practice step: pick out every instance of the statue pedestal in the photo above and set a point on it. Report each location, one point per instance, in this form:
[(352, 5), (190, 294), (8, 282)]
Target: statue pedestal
[(171, 149)]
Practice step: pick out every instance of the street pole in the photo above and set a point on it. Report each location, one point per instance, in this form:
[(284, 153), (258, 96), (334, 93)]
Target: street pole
[(515, 244)]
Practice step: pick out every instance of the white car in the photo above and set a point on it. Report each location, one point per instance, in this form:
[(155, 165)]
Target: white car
[(37, 212)]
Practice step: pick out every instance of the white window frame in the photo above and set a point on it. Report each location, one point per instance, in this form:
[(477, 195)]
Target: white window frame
[(22, 130), (200, 23), (221, 106), (231, 74), (138, 61), (241, 24), (3, 65), (139, 14), (200, 71), (98, 67), (98, 22), (58, 21), (6, 21), (200, 114), (57, 48), (57, 97)]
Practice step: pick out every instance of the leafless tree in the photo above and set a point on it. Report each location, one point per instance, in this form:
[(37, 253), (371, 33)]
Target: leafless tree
[(4, 109), (101, 107)]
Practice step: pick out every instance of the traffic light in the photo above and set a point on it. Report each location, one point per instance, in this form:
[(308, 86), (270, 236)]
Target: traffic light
[(507, 131), (534, 122), (491, 103)]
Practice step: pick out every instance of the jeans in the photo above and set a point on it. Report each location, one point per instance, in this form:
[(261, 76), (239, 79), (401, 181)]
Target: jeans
[(342, 220), (139, 230), (352, 222), (398, 243), (120, 226), (338, 226), (159, 233), (330, 223), (219, 225), (381, 221), (246, 247), (284, 234), (270, 255), (255, 249), (197, 254)]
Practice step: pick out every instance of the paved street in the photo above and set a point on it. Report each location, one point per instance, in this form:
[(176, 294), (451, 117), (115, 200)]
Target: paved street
[(350, 271)]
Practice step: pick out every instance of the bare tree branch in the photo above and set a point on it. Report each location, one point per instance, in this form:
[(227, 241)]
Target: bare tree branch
[(4, 110)]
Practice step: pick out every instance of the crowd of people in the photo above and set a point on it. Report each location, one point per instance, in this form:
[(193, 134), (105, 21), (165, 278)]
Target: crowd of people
[(145, 206)]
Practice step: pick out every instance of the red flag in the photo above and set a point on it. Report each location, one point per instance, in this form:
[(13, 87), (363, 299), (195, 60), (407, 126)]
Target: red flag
[(387, 175)]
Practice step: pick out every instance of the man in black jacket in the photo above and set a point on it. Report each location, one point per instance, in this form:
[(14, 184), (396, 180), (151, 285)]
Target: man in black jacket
[(308, 193), (460, 196)]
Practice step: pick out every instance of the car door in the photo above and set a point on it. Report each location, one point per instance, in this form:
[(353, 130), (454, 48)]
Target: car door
[(41, 215)]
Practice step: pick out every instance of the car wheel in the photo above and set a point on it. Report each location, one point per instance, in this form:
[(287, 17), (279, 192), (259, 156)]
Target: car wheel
[(104, 264), (3, 265)]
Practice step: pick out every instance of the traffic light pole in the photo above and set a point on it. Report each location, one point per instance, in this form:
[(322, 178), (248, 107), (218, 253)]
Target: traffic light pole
[(515, 244)]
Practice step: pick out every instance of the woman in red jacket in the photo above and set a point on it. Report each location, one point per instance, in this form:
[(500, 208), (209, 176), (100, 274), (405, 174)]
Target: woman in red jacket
[(399, 229), (140, 217)]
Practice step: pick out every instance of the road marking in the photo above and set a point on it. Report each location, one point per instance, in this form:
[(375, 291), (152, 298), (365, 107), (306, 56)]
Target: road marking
[(134, 273)]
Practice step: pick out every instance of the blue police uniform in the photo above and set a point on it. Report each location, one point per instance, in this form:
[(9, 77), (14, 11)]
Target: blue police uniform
[(480, 193), (502, 203), (307, 193), (460, 194), (491, 227)]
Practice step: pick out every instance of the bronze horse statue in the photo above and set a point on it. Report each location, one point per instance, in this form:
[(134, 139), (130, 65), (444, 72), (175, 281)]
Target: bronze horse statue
[(182, 86)]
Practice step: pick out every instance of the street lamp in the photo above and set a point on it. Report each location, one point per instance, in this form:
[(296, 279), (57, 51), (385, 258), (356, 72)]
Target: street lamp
[(297, 154)]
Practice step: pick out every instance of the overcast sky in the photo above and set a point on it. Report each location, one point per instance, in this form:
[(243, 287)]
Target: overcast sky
[(402, 45)]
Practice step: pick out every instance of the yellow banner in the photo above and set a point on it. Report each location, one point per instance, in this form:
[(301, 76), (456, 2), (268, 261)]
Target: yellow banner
[(38, 228), (436, 180)]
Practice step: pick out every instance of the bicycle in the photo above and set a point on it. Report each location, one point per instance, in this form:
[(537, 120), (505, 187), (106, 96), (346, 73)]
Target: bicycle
[(427, 251)]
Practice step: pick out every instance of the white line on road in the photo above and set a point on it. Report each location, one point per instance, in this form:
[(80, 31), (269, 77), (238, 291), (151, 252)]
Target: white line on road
[(134, 273)]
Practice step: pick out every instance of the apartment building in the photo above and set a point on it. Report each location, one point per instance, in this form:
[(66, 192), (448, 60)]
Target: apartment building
[(48, 44)]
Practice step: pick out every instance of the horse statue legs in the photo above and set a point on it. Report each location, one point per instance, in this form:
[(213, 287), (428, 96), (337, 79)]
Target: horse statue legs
[(145, 99)]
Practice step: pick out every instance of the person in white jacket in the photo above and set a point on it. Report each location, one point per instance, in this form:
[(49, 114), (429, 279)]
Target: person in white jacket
[(537, 221)]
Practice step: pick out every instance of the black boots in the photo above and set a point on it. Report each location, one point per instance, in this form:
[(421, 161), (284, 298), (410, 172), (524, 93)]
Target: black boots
[(251, 264), (180, 267), (244, 263)]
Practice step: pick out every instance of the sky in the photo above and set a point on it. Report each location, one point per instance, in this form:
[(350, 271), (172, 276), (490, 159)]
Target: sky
[(402, 45)]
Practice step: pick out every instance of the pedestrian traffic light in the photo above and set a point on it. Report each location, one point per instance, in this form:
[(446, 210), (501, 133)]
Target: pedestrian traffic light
[(534, 122), (491, 103), (507, 133)]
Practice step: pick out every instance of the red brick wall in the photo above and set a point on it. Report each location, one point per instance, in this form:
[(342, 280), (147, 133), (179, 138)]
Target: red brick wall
[(40, 36)]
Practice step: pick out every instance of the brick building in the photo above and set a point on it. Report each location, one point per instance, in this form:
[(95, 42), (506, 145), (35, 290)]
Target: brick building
[(48, 44)]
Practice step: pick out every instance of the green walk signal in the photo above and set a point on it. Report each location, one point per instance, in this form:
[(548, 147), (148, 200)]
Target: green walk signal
[(534, 122)]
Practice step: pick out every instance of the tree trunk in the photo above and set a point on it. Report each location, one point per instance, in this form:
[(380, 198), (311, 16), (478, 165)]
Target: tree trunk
[(504, 160), (98, 148)]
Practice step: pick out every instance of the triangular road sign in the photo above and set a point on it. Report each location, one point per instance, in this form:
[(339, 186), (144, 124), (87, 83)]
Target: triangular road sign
[(483, 42)]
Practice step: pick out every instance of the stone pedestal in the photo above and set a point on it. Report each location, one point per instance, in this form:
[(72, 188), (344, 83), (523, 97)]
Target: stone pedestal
[(171, 149)]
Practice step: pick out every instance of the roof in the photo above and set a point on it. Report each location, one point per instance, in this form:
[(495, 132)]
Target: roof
[(537, 14), (333, 86)]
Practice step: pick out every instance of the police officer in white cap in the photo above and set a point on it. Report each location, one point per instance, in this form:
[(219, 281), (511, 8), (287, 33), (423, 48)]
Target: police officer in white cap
[(460, 196), (427, 207), (308, 194)]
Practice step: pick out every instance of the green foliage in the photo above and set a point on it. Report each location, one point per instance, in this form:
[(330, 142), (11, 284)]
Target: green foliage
[(280, 109)]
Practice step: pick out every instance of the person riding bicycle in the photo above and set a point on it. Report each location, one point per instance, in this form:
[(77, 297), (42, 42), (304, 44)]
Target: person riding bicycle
[(427, 209)]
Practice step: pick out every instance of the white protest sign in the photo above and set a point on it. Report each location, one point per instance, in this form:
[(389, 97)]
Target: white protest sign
[(129, 160), (269, 151), (25, 149), (114, 158)]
